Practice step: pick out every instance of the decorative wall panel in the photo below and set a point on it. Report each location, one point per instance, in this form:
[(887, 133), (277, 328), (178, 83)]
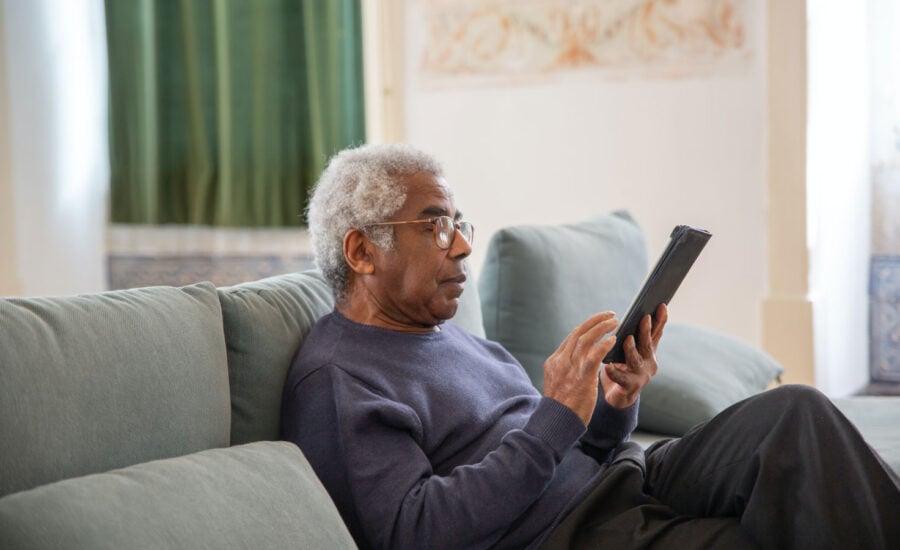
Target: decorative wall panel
[(510, 38)]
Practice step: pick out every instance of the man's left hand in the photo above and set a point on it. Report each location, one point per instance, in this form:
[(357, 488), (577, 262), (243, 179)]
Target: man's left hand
[(622, 382)]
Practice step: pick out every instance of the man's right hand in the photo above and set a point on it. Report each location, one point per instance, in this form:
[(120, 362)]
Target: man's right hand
[(571, 373)]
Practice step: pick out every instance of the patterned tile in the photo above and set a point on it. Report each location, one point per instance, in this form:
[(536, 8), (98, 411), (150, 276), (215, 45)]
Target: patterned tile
[(130, 271), (884, 318)]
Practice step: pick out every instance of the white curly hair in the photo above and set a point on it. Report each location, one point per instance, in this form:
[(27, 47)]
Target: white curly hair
[(359, 187)]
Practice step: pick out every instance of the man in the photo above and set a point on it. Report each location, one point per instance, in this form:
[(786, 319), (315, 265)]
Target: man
[(428, 437)]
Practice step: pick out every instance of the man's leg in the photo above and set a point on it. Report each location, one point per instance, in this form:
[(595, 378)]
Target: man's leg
[(617, 514), (793, 469)]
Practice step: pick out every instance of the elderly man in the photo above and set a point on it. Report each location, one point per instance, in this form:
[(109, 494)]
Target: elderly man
[(428, 437)]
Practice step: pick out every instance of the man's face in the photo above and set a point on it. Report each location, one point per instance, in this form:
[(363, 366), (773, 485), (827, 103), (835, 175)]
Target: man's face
[(416, 284)]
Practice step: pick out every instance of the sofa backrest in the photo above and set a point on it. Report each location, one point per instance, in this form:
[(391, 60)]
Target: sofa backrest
[(265, 323), (94, 382)]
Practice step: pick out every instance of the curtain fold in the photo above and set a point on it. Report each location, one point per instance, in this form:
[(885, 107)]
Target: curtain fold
[(224, 112)]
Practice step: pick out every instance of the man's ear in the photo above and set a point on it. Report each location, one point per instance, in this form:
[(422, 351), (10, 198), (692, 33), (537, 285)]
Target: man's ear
[(358, 252)]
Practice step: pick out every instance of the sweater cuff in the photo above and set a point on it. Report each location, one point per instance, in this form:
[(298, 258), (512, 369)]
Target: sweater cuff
[(615, 424), (555, 424)]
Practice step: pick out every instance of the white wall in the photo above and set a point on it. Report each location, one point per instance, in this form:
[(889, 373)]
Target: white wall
[(9, 278), (56, 167), (671, 150)]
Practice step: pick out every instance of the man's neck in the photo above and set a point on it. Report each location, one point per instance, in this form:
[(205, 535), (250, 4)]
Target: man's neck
[(366, 313)]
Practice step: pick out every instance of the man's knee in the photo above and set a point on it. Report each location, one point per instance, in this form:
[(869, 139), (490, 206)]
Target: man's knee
[(796, 395)]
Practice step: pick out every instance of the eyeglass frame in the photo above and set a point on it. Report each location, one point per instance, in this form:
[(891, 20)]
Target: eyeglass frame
[(434, 224)]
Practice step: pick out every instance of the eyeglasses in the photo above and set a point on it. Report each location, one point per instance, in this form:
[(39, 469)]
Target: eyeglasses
[(445, 229)]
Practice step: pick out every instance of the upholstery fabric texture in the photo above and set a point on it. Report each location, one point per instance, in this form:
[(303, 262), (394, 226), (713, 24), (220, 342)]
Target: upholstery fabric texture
[(265, 322), (701, 373), (89, 383), (539, 282), (876, 418), (211, 499)]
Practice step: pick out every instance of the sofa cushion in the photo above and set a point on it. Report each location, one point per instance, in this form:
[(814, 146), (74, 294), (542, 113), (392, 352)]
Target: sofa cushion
[(876, 418), (265, 322), (262, 495), (94, 382), (539, 282), (701, 372)]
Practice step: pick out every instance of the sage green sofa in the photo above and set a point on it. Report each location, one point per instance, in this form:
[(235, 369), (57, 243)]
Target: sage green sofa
[(149, 418)]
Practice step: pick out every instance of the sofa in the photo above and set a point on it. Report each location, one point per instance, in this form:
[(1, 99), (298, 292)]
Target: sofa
[(149, 417)]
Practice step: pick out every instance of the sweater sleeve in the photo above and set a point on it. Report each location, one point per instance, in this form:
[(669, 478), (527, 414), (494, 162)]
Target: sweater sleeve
[(609, 426), (366, 449)]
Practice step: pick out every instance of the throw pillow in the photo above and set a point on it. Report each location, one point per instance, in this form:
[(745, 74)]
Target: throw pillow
[(701, 373), (539, 282)]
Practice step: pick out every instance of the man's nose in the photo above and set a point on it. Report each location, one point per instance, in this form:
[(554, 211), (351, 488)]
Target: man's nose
[(460, 247)]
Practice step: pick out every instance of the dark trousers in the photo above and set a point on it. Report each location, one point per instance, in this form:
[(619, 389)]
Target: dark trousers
[(784, 469)]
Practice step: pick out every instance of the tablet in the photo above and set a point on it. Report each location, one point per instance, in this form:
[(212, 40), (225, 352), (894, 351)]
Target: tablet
[(684, 247)]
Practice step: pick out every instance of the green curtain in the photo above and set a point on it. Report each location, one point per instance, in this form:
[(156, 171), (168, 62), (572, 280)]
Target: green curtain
[(224, 112)]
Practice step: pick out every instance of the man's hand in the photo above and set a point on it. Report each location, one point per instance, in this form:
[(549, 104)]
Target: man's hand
[(571, 372), (623, 382)]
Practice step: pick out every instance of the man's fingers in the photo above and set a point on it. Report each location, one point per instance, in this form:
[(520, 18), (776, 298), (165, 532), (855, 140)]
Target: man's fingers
[(592, 347), (617, 375), (599, 350), (659, 323), (589, 324), (589, 332), (633, 358), (644, 340)]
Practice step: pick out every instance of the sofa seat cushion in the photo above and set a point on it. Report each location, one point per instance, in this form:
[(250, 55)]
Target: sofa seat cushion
[(876, 418), (94, 382), (262, 495)]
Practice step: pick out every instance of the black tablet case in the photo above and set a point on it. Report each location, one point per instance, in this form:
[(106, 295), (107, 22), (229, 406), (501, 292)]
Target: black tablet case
[(684, 247)]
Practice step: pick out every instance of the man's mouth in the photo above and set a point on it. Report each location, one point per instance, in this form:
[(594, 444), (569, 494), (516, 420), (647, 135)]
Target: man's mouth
[(459, 279)]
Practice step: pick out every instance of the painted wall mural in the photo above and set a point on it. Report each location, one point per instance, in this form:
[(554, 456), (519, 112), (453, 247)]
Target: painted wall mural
[(509, 38)]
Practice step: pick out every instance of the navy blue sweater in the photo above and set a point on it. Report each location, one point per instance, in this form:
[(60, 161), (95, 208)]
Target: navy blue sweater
[(438, 440)]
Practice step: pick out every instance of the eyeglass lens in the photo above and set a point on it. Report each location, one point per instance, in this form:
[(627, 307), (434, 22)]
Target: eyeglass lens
[(445, 230)]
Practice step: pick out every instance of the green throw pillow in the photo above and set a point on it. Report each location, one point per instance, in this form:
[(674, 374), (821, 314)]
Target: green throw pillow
[(261, 495), (539, 282), (701, 373)]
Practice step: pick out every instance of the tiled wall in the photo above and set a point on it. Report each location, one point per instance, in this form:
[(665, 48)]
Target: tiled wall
[(179, 255), (884, 281), (129, 271), (884, 315)]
